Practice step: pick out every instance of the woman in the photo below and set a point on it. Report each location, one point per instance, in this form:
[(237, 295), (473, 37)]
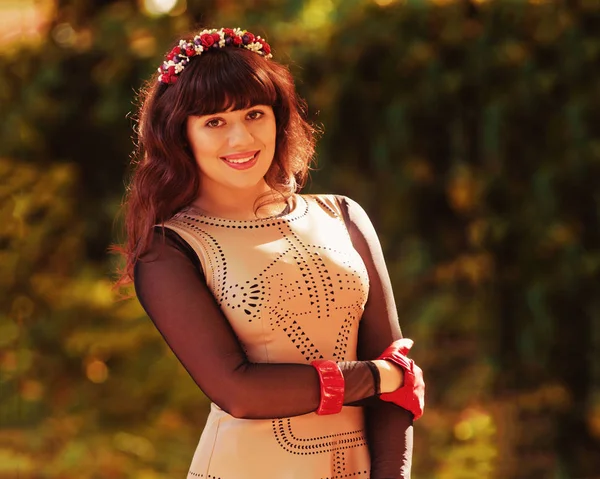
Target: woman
[(260, 291)]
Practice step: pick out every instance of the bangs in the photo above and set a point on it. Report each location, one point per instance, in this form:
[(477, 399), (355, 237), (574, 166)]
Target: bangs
[(226, 79)]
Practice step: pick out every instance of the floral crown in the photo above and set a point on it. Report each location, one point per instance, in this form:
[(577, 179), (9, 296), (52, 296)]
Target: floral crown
[(179, 57)]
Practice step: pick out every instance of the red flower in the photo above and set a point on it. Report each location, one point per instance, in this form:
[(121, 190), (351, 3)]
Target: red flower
[(173, 53), (216, 37), (228, 31), (237, 41), (169, 79), (250, 37), (171, 70), (190, 51), (207, 40), (265, 46)]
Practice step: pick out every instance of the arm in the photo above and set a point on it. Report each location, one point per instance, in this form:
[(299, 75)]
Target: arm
[(389, 428), (172, 290)]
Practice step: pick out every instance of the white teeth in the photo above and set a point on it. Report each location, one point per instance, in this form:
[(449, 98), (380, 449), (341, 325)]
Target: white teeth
[(241, 160)]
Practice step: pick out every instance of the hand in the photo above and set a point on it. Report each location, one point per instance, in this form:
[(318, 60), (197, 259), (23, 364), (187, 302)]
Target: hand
[(411, 395)]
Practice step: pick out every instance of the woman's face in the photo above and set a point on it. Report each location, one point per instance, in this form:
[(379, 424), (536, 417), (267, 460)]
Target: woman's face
[(233, 149)]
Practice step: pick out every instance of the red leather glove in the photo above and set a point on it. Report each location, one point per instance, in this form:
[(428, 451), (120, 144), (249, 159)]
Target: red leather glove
[(411, 396)]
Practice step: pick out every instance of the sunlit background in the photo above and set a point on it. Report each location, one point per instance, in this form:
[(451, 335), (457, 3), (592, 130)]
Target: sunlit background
[(467, 129)]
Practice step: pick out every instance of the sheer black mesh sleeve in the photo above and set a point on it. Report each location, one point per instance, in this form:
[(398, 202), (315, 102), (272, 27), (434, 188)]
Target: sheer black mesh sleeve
[(170, 286), (389, 427)]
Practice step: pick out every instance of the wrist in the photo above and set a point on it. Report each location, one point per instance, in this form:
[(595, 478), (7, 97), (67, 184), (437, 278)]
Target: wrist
[(332, 385), (392, 375), (411, 396)]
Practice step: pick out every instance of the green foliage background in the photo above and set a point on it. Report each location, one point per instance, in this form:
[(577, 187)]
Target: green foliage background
[(467, 131)]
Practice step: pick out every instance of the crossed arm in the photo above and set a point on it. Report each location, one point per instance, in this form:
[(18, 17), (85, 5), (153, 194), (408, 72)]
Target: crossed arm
[(171, 288)]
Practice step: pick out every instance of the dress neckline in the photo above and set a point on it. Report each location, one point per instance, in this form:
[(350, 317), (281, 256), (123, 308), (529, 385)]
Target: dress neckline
[(290, 213)]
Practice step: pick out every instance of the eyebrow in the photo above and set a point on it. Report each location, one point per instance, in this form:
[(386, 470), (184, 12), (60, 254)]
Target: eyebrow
[(232, 111)]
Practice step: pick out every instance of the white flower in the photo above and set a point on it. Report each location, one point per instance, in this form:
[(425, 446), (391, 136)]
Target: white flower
[(255, 47)]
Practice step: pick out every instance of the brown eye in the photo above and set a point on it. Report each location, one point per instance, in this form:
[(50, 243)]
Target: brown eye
[(214, 123), (255, 114)]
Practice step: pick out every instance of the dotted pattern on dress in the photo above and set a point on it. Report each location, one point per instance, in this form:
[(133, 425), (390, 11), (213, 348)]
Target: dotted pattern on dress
[(320, 288), (338, 474), (282, 430), (254, 296), (210, 476), (257, 293), (339, 468)]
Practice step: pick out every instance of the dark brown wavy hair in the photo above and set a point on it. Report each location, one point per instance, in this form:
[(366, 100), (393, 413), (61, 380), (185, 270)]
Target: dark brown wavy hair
[(165, 175)]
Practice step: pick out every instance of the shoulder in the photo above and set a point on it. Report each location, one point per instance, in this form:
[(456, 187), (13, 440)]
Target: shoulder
[(167, 245), (341, 205)]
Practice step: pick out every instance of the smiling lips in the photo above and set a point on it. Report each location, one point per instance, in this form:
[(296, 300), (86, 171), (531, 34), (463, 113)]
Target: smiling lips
[(242, 161)]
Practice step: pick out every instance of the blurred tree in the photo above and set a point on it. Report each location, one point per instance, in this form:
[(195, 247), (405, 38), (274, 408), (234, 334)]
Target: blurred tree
[(85, 382), (476, 130)]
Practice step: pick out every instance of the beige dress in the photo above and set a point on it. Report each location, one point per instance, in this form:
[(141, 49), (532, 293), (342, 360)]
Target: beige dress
[(293, 289)]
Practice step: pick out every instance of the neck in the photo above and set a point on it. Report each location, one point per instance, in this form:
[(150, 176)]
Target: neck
[(239, 204)]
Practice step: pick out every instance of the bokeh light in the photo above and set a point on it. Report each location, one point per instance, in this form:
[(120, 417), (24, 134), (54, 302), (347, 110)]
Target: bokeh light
[(384, 3), (159, 7), (96, 371)]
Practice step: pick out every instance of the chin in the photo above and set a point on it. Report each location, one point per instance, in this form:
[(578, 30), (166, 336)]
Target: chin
[(246, 184)]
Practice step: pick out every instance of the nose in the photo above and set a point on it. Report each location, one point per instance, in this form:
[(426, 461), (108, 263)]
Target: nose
[(240, 135)]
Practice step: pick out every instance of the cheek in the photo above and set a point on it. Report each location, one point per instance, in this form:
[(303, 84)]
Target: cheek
[(202, 145)]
